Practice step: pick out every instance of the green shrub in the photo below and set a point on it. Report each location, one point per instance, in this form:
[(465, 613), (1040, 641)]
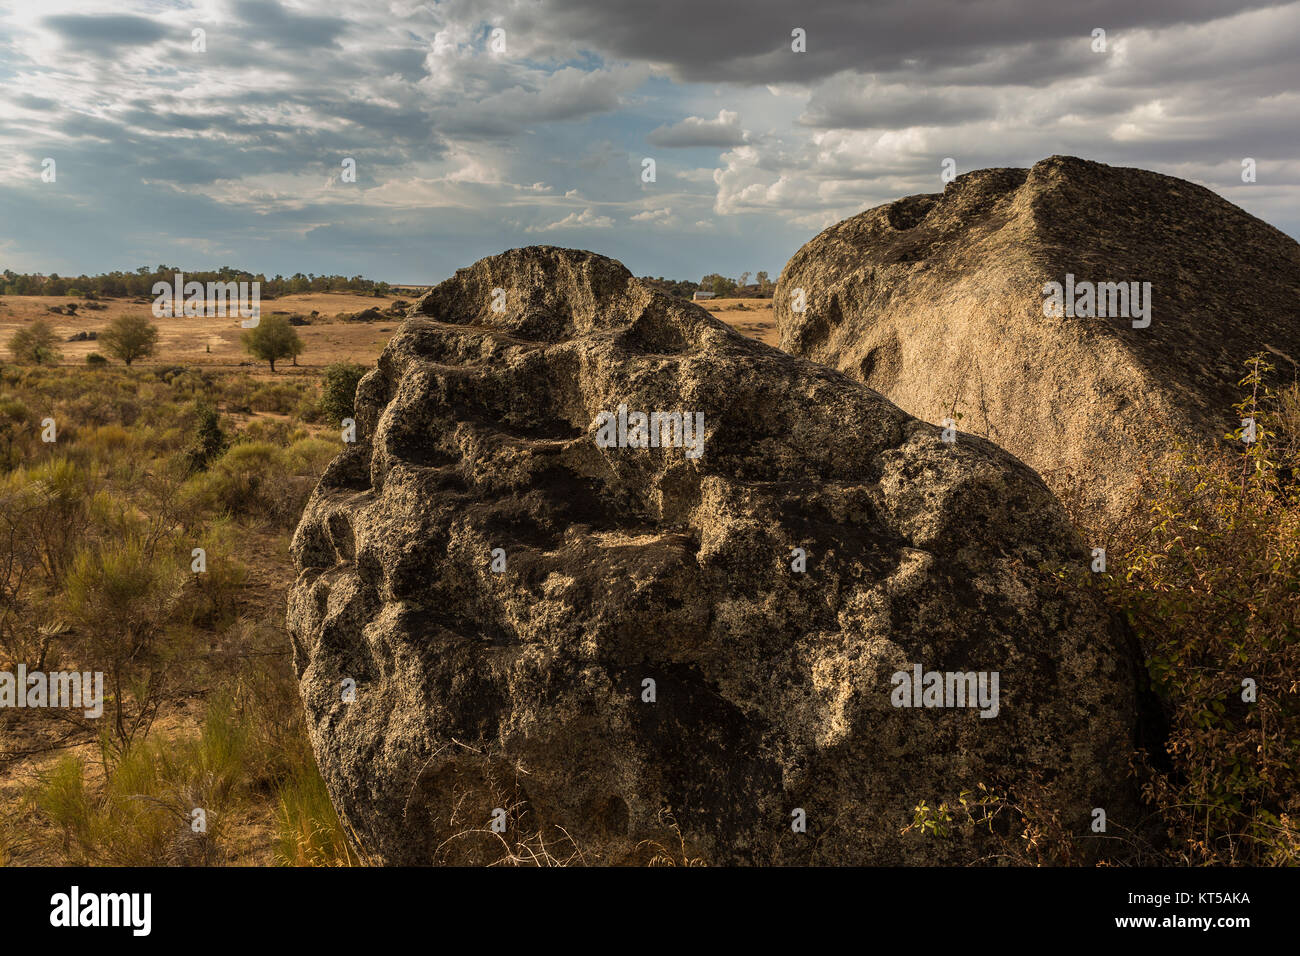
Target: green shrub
[(279, 397), (251, 479), (1213, 591), (309, 456), (37, 344), (122, 594), (338, 391), (95, 360), (209, 441), (214, 598)]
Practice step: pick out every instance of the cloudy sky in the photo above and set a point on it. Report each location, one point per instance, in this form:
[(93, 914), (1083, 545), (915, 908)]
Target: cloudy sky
[(468, 141)]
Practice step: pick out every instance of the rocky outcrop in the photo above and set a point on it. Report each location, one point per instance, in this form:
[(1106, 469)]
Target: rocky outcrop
[(504, 612), (937, 302)]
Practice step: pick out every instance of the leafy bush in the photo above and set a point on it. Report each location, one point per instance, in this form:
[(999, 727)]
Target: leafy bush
[(253, 479), (1213, 591), (209, 441), (278, 397), (339, 390), (37, 344)]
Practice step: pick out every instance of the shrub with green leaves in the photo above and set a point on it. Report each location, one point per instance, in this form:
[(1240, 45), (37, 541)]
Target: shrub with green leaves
[(1213, 591), (37, 344), (339, 391), (209, 441)]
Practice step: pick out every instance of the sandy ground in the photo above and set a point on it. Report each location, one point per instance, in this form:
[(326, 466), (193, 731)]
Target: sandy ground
[(215, 341), (751, 317)]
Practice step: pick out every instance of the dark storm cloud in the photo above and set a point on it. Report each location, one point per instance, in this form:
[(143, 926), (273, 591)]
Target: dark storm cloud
[(751, 43), (851, 102), (103, 34)]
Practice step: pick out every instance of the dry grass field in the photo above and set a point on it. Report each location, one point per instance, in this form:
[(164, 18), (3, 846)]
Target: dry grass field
[(214, 342), (751, 317)]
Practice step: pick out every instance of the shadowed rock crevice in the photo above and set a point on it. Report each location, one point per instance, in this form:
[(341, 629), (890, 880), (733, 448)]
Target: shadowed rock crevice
[(648, 646)]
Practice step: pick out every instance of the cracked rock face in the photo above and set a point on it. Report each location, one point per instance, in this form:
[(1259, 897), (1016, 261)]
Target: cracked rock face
[(936, 301), (602, 640)]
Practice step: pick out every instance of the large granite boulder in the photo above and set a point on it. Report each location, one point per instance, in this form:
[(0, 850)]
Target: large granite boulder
[(500, 605), (938, 302)]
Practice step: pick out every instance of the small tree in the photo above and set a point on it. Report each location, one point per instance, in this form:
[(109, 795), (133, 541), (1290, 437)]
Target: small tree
[(273, 339), (130, 337), (339, 390), (37, 344)]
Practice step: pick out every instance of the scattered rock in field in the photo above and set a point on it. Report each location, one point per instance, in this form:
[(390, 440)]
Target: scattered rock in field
[(371, 314)]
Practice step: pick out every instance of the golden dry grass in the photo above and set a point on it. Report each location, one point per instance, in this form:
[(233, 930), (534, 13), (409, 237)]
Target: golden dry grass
[(214, 342), (187, 340), (751, 317)]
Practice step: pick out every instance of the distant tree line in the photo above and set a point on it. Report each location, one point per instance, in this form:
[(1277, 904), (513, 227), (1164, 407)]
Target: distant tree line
[(719, 285), (141, 281), (682, 288)]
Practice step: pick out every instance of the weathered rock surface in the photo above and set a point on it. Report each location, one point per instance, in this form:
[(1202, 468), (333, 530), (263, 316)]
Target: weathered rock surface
[(936, 301), (525, 688)]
